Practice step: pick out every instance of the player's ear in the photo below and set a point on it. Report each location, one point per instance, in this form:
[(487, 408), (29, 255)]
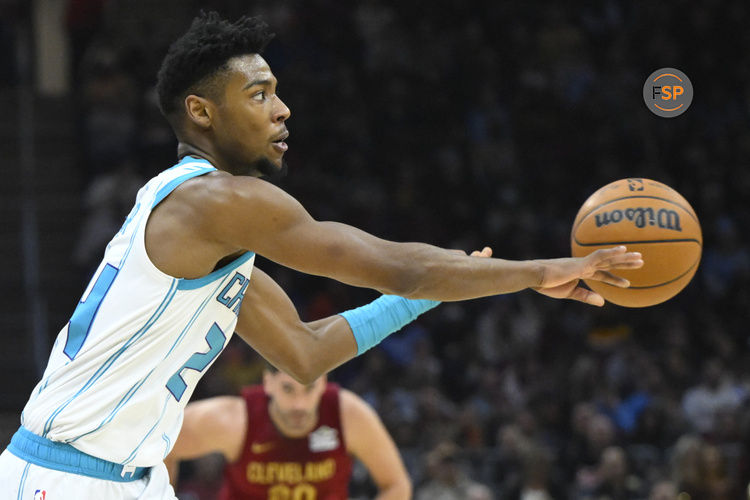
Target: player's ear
[(199, 110)]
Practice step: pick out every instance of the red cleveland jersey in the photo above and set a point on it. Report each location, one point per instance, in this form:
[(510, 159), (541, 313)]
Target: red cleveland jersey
[(275, 467)]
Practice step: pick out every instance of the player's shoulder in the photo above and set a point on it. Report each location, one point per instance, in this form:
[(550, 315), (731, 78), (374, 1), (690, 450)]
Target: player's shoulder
[(217, 184), (352, 406), (359, 423), (220, 189)]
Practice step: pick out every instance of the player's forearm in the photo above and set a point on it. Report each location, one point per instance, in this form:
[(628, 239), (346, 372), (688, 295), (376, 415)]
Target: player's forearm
[(330, 345), (366, 326), (329, 342), (439, 274), (309, 350), (411, 270)]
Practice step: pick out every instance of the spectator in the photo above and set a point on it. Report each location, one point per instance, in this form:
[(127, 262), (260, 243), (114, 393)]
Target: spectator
[(663, 490), (447, 479), (715, 392)]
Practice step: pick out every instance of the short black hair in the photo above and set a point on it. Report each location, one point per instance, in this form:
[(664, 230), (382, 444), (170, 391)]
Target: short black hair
[(203, 52)]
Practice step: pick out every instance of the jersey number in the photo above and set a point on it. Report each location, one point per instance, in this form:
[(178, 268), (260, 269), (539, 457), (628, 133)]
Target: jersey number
[(83, 316), (198, 361), (302, 491)]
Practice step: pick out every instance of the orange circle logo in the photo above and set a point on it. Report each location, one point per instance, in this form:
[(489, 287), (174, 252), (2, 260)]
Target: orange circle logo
[(668, 92)]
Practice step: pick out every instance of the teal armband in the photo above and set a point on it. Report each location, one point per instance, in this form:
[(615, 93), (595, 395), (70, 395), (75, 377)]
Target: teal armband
[(373, 322)]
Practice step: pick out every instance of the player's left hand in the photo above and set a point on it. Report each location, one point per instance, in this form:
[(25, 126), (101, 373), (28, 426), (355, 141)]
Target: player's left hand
[(485, 252)]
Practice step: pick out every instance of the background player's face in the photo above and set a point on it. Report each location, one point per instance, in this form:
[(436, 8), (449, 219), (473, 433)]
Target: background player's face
[(250, 119), (294, 406)]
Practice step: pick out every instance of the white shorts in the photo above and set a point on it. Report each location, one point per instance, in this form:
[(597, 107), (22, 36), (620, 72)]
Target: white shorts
[(21, 480)]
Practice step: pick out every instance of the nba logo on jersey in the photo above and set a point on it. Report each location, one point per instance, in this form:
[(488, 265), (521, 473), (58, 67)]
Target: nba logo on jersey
[(40, 494), (324, 439)]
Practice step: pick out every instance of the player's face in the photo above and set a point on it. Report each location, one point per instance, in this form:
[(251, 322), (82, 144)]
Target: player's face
[(294, 406), (249, 124)]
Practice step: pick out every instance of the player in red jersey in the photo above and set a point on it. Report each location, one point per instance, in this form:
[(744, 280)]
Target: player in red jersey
[(286, 440)]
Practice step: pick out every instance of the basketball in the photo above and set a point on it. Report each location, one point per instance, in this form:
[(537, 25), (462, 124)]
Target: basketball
[(648, 217)]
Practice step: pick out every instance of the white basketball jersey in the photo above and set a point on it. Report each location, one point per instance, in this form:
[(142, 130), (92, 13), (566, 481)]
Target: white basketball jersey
[(124, 367)]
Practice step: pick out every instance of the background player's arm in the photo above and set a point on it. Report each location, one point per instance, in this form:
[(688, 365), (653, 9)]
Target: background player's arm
[(214, 425), (367, 439), (249, 213), (270, 324)]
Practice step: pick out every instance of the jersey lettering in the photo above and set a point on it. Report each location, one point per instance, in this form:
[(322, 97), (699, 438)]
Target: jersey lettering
[(198, 361), (83, 316), (232, 294)]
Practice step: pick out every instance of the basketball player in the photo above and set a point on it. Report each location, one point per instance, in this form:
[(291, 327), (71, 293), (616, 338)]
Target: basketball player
[(175, 283), (284, 438)]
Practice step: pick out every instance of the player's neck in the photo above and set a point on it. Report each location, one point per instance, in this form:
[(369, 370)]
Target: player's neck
[(187, 149), (215, 158)]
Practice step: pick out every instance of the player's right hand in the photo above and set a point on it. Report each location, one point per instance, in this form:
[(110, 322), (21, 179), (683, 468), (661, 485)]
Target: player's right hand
[(561, 277)]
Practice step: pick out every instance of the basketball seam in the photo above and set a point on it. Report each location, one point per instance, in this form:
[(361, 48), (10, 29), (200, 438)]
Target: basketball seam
[(641, 242), (690, 212), (664, 283)]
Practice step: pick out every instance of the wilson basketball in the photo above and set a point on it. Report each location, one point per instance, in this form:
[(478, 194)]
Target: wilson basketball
[(648, 217)]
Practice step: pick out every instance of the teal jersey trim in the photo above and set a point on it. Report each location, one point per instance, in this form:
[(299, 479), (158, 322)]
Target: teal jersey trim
[(172, 185), (186, 284), (62, 457)]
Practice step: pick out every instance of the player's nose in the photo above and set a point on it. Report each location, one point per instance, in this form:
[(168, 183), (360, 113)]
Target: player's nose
[(281, 111)]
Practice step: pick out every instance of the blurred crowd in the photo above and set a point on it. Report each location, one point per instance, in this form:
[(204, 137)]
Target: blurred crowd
[(485, 123)]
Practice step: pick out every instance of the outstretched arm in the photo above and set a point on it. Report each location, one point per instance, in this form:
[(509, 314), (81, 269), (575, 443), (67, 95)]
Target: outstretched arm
[(367, 439), (234, 213)]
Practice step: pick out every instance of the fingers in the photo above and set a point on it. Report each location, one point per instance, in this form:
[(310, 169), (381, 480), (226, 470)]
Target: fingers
[(572, 291), (610, 279), (485, 252), (587, 297), (616, 258), (634, 263)]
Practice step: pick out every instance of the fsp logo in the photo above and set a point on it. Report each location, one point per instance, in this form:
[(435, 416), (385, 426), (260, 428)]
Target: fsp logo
[(668, 92)]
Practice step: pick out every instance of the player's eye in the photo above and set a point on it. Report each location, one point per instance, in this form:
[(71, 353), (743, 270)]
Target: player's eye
[(260, 96)]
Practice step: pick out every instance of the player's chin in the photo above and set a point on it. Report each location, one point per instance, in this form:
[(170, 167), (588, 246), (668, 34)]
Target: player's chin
[(275, 161), (271, 168), (278, 163), (297, 424)]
